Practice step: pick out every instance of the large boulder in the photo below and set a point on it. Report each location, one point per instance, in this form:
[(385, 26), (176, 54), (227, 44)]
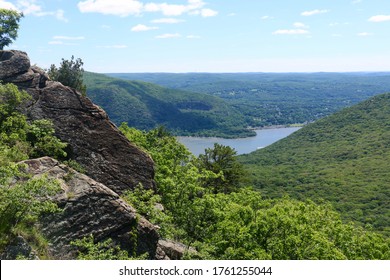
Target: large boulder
[(94, 141), (89, 208)]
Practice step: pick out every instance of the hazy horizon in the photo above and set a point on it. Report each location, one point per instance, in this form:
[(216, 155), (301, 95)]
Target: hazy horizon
[(214, 36)]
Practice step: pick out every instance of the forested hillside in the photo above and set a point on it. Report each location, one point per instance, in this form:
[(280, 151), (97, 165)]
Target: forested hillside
[(146, 106), (201, 202), (277, 98), (208, 207), (343, 158)]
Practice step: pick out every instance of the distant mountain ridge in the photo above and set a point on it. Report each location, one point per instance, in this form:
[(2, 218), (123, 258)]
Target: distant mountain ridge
[(343, 158), (146, 106), (276, 98)]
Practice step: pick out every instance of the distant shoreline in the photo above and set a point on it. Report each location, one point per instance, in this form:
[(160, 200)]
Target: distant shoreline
[(252, 128), (278, 126)]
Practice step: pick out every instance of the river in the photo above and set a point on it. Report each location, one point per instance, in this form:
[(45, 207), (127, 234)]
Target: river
[(264, 137)]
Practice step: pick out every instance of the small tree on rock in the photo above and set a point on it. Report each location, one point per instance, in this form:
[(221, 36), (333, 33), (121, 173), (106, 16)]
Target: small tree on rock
[(70, 73), (9, 25)]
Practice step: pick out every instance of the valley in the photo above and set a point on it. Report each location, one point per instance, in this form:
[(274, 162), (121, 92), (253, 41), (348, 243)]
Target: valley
[(266, 99)]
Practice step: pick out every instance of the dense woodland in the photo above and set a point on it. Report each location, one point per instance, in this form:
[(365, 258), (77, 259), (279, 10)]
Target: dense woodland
[(277, 98), (342, 158), (207, 203), (209, 206)]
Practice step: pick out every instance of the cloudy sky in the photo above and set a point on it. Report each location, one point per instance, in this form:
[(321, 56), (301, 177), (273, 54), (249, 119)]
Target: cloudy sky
[(207, 35)]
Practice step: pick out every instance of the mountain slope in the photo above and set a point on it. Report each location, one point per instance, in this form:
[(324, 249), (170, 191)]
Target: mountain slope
[(277, 98), (343, 158), (145, 106)]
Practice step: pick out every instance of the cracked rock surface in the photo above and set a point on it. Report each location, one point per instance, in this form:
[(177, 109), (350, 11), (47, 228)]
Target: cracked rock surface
[(94, 141), (89, 208), (90, 203)]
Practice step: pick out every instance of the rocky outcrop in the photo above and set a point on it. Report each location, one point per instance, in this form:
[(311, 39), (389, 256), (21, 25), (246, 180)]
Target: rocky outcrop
[(171, 250), (90, 203), (94, 141), (89, 208)]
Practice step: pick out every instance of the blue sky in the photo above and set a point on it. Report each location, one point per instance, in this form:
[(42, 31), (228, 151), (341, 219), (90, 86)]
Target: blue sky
[(207, 35)]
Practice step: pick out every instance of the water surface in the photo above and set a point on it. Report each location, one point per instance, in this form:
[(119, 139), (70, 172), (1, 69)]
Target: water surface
[(264, 137)]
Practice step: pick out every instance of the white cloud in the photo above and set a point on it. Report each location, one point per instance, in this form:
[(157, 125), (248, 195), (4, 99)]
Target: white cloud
[(266, 17), (125, 8), (7, 5), (30, 7), (291, 32), (59, 40), (56, 43), (364, 34), (208, 13), (168, 36), (379, 18), (68, 38), (300, 25), (314, 12), (355, 2), (166, 9), (60, 15), (141, 28), (167, 20), (232, 15), (109, 7)]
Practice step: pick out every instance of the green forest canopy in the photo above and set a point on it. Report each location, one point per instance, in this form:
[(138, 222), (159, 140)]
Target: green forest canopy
[(221, 223), (342, 159)]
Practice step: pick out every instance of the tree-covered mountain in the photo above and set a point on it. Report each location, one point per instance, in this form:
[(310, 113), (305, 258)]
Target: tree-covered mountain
[(343, 158), (277, 98), (151, 198), (146, 106)]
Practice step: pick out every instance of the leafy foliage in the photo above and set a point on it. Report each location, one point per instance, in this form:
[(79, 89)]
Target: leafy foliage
[(20, 139), (40, 135), (222, 159), (9, 25), (88, 249), (343, 159), (241, 224), (22, 203), (70, 73)]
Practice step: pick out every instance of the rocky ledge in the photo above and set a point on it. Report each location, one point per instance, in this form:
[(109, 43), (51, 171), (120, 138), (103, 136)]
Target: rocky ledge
[(89, 208), (90, 203), (94, 141)]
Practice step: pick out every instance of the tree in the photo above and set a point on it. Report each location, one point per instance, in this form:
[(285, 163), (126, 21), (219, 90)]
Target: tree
[(9, 25), (222, 160), (70, 73)]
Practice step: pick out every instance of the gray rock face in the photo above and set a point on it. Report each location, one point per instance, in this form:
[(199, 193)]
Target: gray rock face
[(91, 204), (89, 208), (94, 141), (171, 250), (19, 248)]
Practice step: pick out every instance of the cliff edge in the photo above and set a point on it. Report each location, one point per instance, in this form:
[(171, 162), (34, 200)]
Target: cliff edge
[(94, 141)]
